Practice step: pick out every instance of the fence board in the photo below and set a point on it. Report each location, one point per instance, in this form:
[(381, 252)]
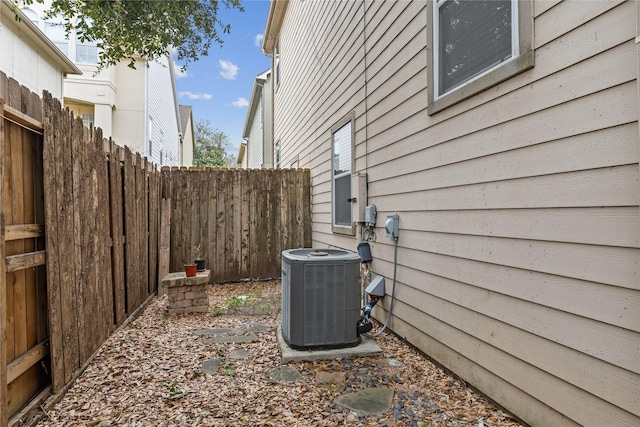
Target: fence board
[(250, 217), (153, 207), (244, 251), (165, 240), (131, 254), (51, 193), (212, 213), (117, 233), (3, 295)]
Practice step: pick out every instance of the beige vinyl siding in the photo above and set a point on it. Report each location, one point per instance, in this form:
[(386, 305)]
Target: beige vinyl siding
[(519, 247)]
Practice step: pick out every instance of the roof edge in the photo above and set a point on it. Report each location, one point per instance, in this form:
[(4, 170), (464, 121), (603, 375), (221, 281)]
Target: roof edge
[(277, 10)]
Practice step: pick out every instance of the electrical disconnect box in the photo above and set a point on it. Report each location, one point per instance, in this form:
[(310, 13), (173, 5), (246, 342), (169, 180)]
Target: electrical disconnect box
[(392, 226), (370, 214)]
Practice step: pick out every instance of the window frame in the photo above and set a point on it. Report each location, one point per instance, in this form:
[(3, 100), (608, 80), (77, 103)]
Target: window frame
[(276, 64), (522, 58), (336, 228), (50, 30)]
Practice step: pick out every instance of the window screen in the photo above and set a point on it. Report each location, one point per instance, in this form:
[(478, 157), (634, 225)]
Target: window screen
[(473, 36), (342, 176)]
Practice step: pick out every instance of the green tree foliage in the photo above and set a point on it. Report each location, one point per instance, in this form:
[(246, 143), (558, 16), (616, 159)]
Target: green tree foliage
[(125, 29), (210, 145)]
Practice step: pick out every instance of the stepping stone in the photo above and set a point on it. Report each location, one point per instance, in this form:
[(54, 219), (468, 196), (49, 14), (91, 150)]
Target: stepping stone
[(259, 328), (331, 380), (388, 363), (239, 354), (233, 339), (210, 366), (213, 332), (284, 373), (370, 401)]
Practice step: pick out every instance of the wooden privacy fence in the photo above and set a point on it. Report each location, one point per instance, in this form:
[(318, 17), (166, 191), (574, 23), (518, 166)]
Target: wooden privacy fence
[(79, 225), (102, 213), (238, 220), (24, 332), (82, 237)]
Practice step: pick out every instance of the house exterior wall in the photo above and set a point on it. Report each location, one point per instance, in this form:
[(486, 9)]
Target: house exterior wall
[(123, 100), (188, 138), (519, 206), (163, 109), (255, 147), (129, 109), (258, 124), (26, 57)]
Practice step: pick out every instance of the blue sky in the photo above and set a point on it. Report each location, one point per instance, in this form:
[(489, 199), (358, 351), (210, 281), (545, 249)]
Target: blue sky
[(218, 86)]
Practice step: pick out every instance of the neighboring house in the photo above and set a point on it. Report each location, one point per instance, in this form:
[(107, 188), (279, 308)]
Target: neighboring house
[(505, 135), (28, 56), (187, 140), (241, 159), (258, 143), (137, 108)]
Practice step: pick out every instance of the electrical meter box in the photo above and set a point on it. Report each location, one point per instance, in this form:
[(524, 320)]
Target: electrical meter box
[(370, 215)]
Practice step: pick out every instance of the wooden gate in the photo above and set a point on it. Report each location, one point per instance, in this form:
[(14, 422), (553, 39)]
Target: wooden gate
[(23, 302)]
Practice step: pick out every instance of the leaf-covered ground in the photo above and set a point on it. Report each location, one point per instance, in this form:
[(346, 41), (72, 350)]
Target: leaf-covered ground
[(150, 373)]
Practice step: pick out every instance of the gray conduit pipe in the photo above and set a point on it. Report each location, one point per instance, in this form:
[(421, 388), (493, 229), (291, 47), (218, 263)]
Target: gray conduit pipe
[(393, 288)]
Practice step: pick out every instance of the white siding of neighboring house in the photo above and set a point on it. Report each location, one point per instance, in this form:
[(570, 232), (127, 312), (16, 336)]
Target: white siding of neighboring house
[(26, 56), (518, 259), (162, 108), (186, 156), (257, 127), (122, 100), (129, 113)]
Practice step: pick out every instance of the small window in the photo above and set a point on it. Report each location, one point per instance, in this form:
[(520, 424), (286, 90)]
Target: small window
[(341, 176), (87, 119), (33, 16), (476, 44), (150, 136), (276, 62), (277, 154), (86, 51), (54, 28)]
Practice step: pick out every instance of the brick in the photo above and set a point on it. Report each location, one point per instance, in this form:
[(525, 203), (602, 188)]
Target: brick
[(183, 303), (173, 311), (202, 302), (176, 296), (196, 309), (195, 295)]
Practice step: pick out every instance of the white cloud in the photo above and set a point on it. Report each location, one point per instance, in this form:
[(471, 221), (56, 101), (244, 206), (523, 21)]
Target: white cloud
[(258, 40), (179, 72), (229, 70), (240, 102), (192, 95)]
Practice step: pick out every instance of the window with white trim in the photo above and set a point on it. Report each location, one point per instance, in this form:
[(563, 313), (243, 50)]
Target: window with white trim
[(150, 136), (86, 51), (54, 28), (33, 16), (276, 63), (277, 155), (88, 119), (476, 44), (341, 150)]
